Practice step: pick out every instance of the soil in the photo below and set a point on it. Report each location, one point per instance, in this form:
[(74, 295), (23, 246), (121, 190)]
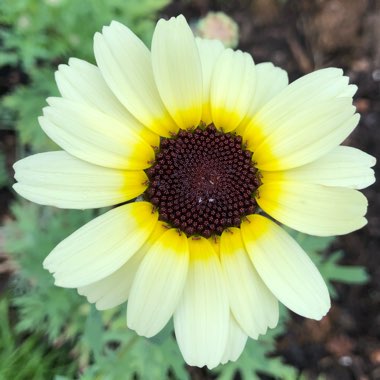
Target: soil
[(302, 36)]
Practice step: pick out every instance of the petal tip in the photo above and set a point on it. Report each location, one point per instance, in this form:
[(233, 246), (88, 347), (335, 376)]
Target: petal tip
[(98, 39), (16, 186), (115, 23), (73, 61)]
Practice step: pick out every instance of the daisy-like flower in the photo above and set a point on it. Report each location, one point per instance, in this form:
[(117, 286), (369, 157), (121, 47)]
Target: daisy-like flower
[(199, 149)]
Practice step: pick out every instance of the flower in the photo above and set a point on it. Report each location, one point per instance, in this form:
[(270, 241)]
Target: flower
[(219, 26), (211, 146)]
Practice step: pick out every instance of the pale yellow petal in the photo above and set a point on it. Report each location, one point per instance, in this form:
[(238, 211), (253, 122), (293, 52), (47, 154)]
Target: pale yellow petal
[(236, 341), (83, 82), (114, 289), (125, 64), (303, 122), (232, 89), (270, 81), (314, 209), (252, 304), (201, 320), (319, 85), (307, 137), (209, 51), (158, 285), (343, 166), (101, 246), (285, 268), (94, 137), (60, 180), (177, 71)]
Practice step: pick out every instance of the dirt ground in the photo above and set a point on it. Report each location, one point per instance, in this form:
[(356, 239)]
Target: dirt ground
[(301, 36)]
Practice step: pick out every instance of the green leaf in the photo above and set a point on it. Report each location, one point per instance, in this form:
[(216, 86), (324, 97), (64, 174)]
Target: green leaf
[(309, 243), (332, 271), (28, 240), (28, 357), (93, 332), (136, 355), (35, 31), (347, 274), (26, 103)]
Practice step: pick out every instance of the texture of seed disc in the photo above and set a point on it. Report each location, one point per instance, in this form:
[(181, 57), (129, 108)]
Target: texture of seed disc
[(203, 181)]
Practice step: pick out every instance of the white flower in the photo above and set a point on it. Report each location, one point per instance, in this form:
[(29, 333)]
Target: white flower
[(208, 141)]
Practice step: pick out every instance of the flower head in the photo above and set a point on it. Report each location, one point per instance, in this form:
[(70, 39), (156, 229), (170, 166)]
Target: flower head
[(219, 26), (212, 148)]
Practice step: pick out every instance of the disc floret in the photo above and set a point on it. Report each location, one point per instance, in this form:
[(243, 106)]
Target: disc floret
[(203, 181)]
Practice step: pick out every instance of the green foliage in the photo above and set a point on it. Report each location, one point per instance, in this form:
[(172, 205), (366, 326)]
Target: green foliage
[(26, 103), (37, 35), (38, 31), (133, 353), (28, 356), (333, 271), (29, 239)]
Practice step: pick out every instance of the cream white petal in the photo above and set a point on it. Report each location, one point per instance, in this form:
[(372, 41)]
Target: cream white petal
[(201, 320), (125, 64), (319, 85), (314, 209), (158, 284), (94, 137), (114, 289), (58, 179), (209, 52), (83, 82), (285, 267), (349, 91), (253, 305), (237, 339), (344, 166), (303, 122), (101, 246), (177, 71), (270, 81), (233, 86), (307, 135), (315, 87)]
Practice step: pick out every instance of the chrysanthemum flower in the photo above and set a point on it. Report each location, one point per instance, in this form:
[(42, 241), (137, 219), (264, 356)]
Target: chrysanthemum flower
[(199, 149)]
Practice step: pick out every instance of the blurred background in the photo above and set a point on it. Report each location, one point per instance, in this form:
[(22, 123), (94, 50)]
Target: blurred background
[(53, 333)]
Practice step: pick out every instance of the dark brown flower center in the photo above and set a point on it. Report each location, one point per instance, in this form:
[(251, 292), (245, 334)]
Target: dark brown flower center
[(203, 181)]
